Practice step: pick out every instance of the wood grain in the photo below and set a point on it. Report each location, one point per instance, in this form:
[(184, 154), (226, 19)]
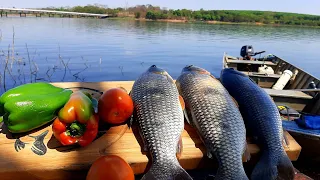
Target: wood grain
[(64, 163)]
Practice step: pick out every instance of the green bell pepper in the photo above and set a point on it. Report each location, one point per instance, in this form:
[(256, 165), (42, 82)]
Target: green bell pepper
[(30, 106)]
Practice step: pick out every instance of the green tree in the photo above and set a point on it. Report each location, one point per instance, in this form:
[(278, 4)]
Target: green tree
[(177, 13), (197, 15), (150, 15)]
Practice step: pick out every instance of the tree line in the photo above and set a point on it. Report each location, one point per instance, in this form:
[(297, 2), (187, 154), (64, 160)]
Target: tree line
[(237, 16), (234, 16), (95, 9)]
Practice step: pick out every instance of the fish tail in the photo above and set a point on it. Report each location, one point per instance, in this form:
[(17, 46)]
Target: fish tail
[(221, 175), (267, 168), (164, 172), (285, 168), (181, 174), (149, 175)]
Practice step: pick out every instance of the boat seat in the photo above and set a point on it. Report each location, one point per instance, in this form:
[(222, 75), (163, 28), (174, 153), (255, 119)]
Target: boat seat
[(268, 63), (256, 74), (288, 93), (263, 80), (291, 98)]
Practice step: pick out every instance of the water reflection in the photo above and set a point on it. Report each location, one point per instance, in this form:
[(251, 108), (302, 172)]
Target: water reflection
[(121, 50)]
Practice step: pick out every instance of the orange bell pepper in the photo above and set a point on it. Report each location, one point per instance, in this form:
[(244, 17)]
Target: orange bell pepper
[(76, 122)]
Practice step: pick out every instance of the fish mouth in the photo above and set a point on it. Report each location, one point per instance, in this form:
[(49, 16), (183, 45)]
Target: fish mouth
[(156, 70), (231, 70), (196, 69)]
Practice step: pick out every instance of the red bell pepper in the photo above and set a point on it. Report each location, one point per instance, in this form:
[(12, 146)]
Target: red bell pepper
[(76, 122)]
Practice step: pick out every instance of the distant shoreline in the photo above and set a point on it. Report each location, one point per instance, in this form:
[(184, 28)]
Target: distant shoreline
[(178, 21), (208, 22), (156, 13), (195, 21)]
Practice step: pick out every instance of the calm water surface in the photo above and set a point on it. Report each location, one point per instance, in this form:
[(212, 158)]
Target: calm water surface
[(63, 49)]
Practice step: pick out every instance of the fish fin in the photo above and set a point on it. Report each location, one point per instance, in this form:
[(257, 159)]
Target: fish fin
[(267, 168), (187, 117), (182, 175), (130, 123), (176, 172), (179, 147), (209, 155), (285, 168), (132, 119), (144, 147), (149, 176), (264, 169), (182, 102), (246, 153), (220, 175), (235, 101), (285, 140)]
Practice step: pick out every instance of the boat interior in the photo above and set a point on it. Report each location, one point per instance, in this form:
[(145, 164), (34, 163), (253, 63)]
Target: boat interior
[(301, 91), (298, 91)]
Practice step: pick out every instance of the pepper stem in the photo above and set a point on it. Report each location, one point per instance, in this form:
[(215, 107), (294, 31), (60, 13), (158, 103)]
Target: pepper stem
[(76, 129)]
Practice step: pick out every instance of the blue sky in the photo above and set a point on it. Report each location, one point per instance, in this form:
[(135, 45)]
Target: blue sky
[(298, 6)]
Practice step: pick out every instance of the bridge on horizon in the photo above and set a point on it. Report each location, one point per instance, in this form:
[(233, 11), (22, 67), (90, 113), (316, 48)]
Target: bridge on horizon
[(38, 13)]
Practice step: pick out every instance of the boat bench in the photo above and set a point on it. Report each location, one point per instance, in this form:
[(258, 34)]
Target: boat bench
[(263, 80), (255, 74), (268, 63), (294, 99)]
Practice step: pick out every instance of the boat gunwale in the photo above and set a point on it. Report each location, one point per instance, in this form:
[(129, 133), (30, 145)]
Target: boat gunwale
[(299, 69)]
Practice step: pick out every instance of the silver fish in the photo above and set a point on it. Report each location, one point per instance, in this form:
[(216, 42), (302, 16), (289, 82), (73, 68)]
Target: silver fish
[(160, 119), (214, 114), (262, 117)]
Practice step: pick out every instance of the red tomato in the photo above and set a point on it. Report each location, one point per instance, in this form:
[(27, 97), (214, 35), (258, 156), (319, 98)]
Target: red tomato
[(110, 167), (115, 106)]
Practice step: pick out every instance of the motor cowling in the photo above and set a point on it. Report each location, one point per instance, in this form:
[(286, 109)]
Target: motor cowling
[(247, 51)]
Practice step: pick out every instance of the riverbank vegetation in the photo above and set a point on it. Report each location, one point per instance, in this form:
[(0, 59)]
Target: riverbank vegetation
[(234, 16), (231, 16)]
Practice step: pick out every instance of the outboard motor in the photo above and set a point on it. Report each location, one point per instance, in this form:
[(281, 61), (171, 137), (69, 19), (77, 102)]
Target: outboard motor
[(246, 52)]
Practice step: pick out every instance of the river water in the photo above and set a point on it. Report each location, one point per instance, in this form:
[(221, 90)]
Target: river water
[(67, 49)]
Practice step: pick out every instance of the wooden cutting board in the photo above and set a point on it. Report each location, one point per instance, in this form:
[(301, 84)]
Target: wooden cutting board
[(60, 162)]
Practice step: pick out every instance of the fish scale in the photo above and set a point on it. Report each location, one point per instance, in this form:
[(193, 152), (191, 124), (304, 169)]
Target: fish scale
[(263, 119), (216, 118), (160, 119)]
